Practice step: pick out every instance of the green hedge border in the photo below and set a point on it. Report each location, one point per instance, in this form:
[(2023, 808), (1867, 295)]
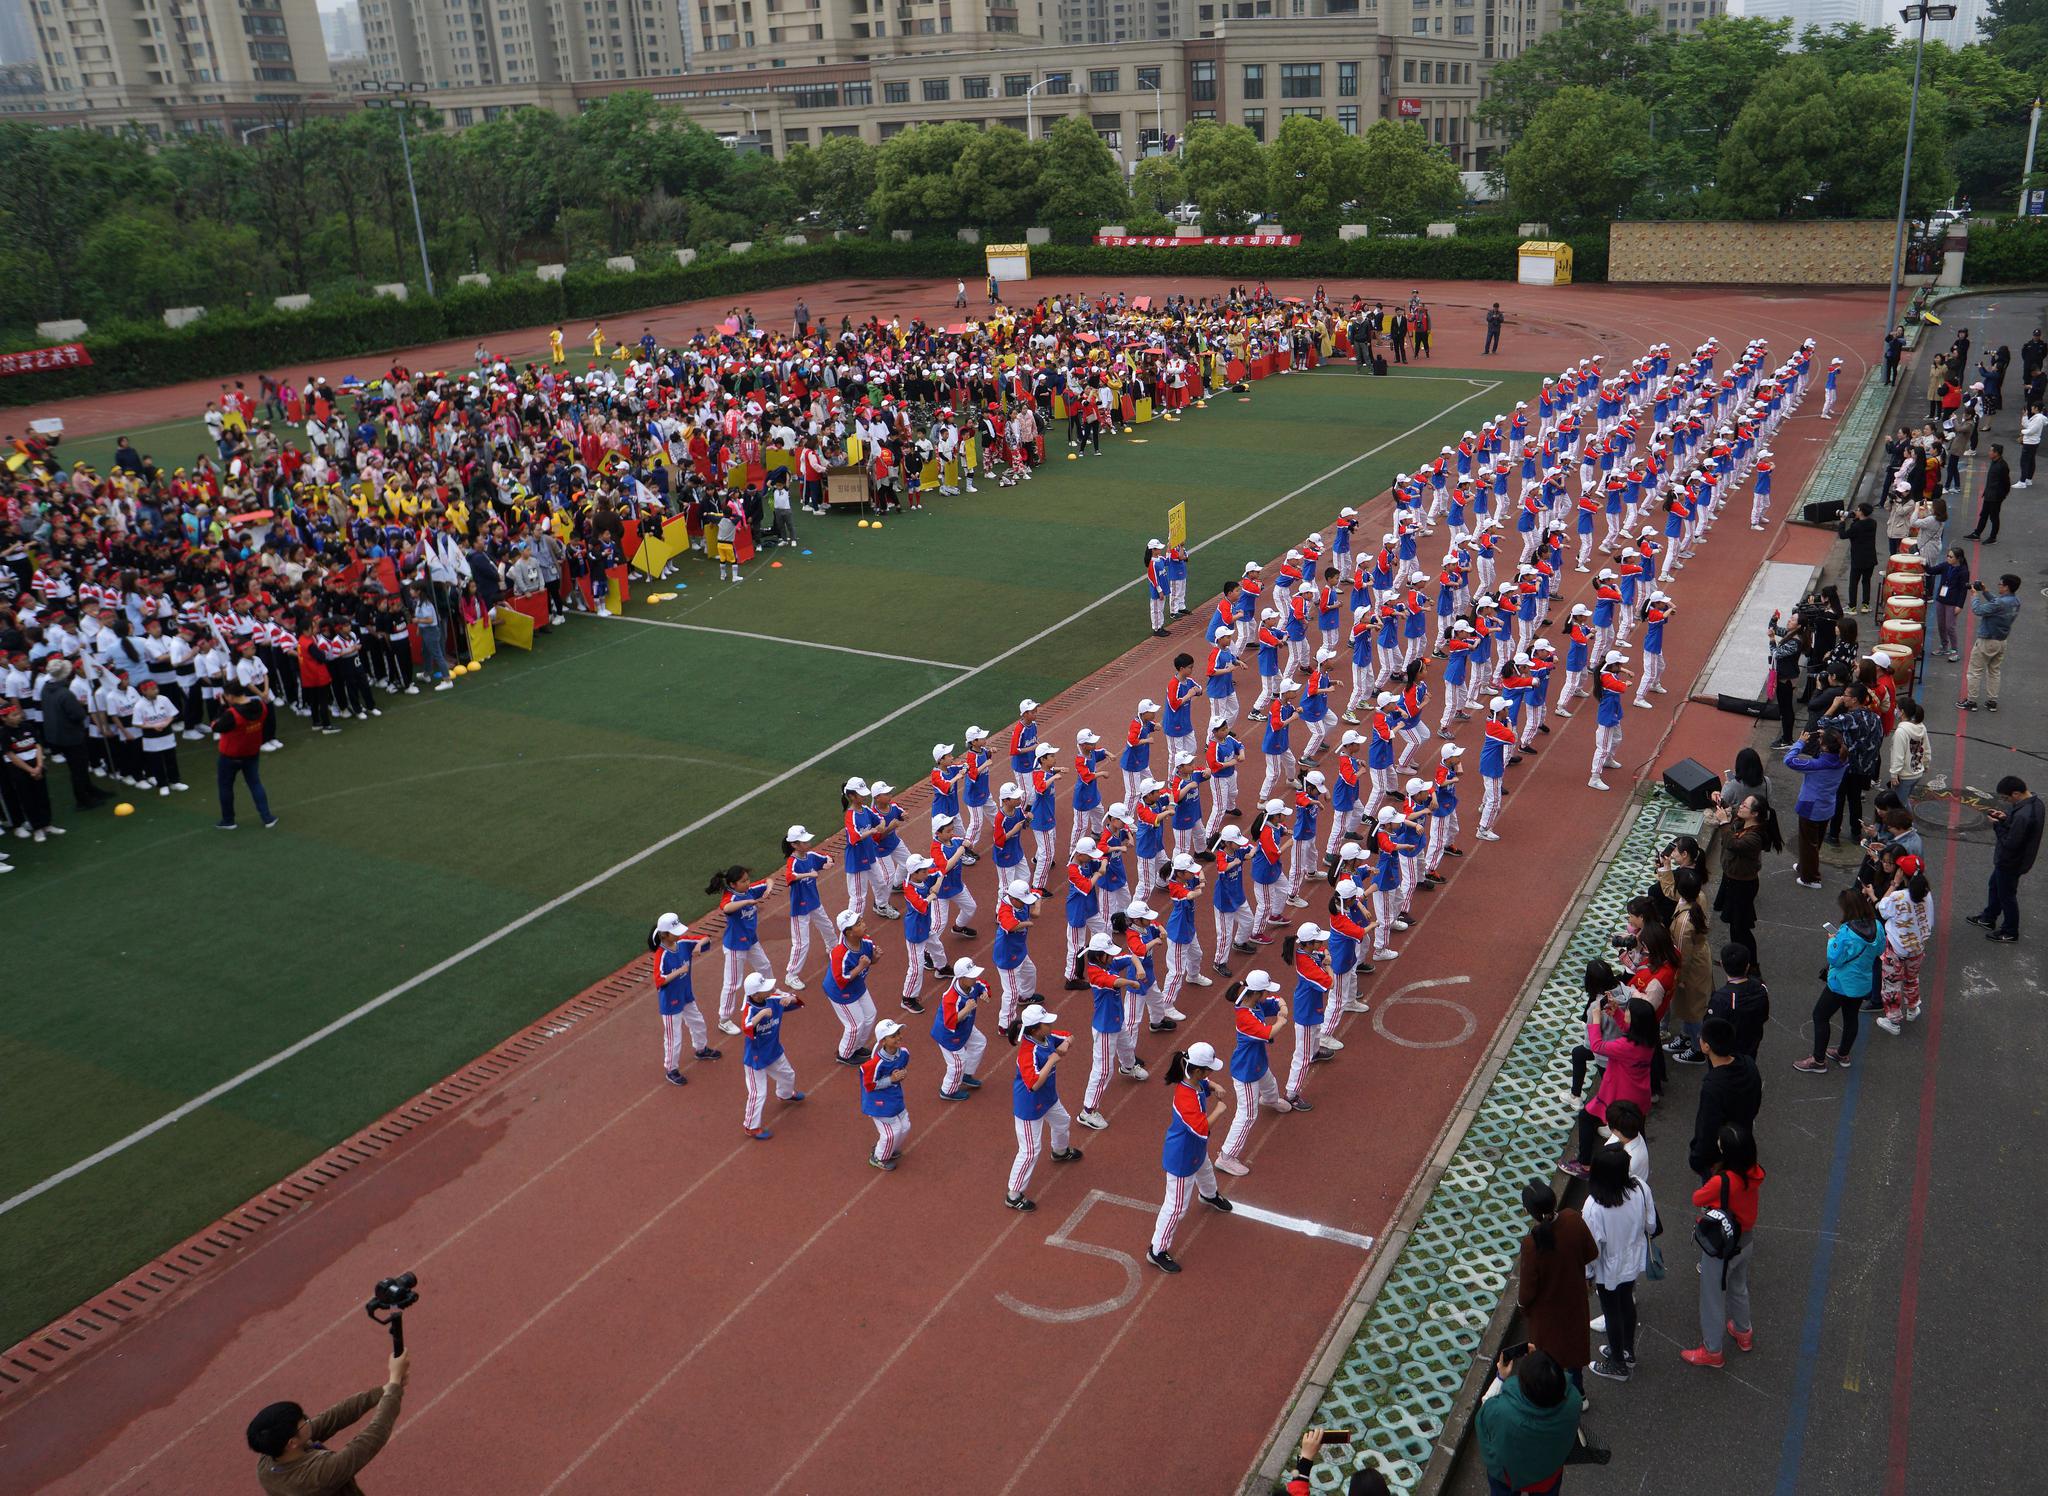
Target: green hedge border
[(143, 355), (2007, 254)]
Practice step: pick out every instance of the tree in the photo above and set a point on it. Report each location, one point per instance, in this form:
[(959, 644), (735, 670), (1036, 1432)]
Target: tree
[(1312, 169), (2016, 33), (914, 183), (506, 174), (837, 176), (1601, 44), (1709, 76), (1083, 181), (1988, 163), (1585, 153), (1774, 162), (1406, 178), (1863, 173), (1158, 184), (1226, 174), (996, 179)]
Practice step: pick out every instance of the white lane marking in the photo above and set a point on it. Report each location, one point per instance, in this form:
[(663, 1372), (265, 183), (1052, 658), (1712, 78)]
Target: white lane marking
[(1296, 1223), (705, 628), (597, 880)]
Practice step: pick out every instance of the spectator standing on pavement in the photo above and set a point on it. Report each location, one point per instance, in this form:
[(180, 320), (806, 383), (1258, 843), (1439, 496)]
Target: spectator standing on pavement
[(1951, 583), (1862, 732), (1851, 977), (1494, 319), (1742, 999), (1732, 1090), (1748, 831), (1689, 933), (1894, 346), (1528, 1428), (1628, 1052), (2018, 827), (1994, 613), (1907, 909), (1906, 752), (1731, 1189), (1618, 1213), (1817, 759), (1550, 1280), (2032, 425), (1997, 484), (1860, 530), (238, 734)]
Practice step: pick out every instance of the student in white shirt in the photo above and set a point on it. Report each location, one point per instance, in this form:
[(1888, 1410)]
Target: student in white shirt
[(156, 723)]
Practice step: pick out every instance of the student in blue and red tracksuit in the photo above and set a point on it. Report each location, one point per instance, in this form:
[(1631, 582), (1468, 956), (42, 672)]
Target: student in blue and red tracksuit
[(1196, 1106), (881, 1093), (762, 1058), (922, 950), (974, 788), (1258, 1014), (1177, 580), (1096, 970), (1023, 746), (1044, 805), (861, 825), (1495, 744), (1609, 687), (846, 986), (1137, 755), (1087, 793), (1177, 718), (1227, 900), (953, 906), (961, 1041), (1035, 1100), (739, 894), (1084, 905), (674, 947), (1307, 948), (1006, 838), (1014, 967), (800, 869), (1157, 584)]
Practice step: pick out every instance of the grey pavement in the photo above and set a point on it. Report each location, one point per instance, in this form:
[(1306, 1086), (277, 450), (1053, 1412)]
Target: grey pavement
[(1900, 1308)]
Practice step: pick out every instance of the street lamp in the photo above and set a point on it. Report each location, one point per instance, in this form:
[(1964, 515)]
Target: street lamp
[(255, 130), (379, 94), (1046, 82), (1909, 14), (1160, 101)]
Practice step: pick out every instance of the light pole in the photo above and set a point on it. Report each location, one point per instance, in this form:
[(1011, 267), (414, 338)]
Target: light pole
[(397, 96), (2033, 134), (1046, 82), (254, 130), (1909, 14), (1159, 98)]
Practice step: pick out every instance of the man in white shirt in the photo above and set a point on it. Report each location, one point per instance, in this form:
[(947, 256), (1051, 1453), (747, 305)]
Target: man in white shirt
[(2032, 425)]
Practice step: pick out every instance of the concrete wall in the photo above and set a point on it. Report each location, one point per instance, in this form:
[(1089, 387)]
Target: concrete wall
[(1822, 253)]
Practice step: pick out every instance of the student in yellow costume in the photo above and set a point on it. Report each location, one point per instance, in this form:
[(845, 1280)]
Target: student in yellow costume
[(555, 354)]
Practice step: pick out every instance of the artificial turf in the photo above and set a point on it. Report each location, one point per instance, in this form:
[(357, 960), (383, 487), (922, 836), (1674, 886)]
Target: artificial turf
[(155, 957)]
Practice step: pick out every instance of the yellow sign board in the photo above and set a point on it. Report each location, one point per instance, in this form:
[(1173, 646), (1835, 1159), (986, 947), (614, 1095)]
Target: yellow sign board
[(1177, 525)]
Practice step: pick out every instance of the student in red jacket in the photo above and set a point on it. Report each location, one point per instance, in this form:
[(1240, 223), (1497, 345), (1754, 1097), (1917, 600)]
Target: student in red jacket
[(238, 732), (1724, 1281)]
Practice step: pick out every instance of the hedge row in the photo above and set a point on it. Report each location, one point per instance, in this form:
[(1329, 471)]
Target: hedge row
[(2006, 254), (140, 355)]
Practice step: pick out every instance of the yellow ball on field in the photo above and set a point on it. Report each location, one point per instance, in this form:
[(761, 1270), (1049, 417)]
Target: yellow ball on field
[(876, 525), (861, 524), (124, 809), (1073, 457)]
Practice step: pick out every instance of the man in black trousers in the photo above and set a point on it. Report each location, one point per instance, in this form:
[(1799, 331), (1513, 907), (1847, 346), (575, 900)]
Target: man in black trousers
[(64, 732), (1997, 484)]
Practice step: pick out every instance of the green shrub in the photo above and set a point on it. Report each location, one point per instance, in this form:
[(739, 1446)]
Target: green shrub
[(2005, 254)]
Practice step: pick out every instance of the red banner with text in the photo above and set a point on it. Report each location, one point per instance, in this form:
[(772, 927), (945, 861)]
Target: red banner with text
[(35, 360), (1172, 241)]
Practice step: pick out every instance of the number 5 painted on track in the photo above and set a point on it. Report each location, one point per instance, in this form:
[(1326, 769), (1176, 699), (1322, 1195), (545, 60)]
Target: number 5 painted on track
[(1063, 1238)]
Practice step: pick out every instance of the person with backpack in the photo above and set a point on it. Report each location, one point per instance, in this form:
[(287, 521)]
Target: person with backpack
[(1726, 1235)]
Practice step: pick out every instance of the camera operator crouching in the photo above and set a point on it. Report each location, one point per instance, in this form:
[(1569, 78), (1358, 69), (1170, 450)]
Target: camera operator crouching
[(293, 1460)]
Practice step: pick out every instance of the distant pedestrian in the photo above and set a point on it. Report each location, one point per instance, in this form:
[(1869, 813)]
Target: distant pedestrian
[(1994, 614), (1732, 1090), (1997, 484), (1550, 1280), (1727, 1237), (1894, 347), (2032, 427), (1494, 319), (1851, 977), (1619, 1214)]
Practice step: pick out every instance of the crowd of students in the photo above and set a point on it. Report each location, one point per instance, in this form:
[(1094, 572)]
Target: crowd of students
[(1353, 824)]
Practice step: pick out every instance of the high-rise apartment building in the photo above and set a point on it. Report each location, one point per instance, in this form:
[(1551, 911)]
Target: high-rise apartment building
[(342, 29), (480, 43), (17, 32), (167, 54)]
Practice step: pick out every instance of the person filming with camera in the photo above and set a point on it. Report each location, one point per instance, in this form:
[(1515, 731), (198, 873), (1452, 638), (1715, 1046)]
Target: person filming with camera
[(292, 1458)]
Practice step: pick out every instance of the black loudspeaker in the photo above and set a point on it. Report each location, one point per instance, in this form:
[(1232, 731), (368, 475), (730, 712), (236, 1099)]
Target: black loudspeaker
[(1745, 706), (1691, 784), (1823, 512)]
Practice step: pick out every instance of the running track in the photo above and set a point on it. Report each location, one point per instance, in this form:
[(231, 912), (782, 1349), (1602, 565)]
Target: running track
[(618, 1282)]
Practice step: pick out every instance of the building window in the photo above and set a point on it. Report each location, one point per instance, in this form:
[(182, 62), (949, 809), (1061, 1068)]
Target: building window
[(1255, 80), (1058, 83), (1301, 80), (1202, 81), (860, 93), (1420, 26), (1105, 80), (464, 118), (1461, 25), (895, 93), (1347, 118), (974, 88), (1255, 121), (1207, 114), (937, 90), (1347, 80), (1302, 110), (1148, 77), (1016, 85)]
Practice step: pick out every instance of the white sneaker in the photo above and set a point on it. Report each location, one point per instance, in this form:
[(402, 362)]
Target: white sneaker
[(1913, 1013), (446, 685), (1202, 979), (53, 830), (1597, 783), (412, 690), (164, 790), (1598, 1325), (1355, 1005), (40, 835), (1324, 1041), (1092, 1120), (272, 746), (1889, 1025), (1385, 953), (727, 1026), (793, 982), (1133, 1072), (376, 711), (1485, 835), (1231, 1166), (1176, 1015), (181, 786), (1295, 901)]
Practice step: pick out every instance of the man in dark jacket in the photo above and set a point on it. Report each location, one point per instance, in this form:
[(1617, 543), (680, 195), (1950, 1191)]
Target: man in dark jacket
[(293, 1460), (2018, 827), (64, 732), (1733, 1091), (1997, 484), (1743, 999)]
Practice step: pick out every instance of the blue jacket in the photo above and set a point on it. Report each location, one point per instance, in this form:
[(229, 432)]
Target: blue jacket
[(1820, 781), (1852, 957)]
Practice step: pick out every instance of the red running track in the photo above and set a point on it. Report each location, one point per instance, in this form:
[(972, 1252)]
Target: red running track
[(618, 1282)]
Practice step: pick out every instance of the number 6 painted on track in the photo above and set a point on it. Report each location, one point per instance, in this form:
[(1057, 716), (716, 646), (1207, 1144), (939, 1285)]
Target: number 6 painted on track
[(1063, 1238)]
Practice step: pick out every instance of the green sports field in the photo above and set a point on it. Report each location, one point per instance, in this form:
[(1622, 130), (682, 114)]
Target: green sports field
[(155, 959)]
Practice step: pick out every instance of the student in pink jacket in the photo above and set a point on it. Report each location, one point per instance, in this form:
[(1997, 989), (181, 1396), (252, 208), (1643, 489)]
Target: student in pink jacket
[(1627, 1076)]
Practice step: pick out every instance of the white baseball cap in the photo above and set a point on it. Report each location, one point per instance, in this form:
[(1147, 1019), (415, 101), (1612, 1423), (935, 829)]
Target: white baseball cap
[(917, 862), (887, 1027), (1450, 750), (974, 735), (1085, 847), (965, 968), (1387, 813), (1147, 705), (1315, 777), (1311, 933), (1141, 911), (1182, 863), (1148, 784), (1232, 835), (883, 787), (941, 750), (671, 924), (1022, 892), (1202, 1056), (1009, 792), (856, 786), (1027, 705), (1102, 944), (1044, 750), (1085, 736), (847, 919), (1034, 1015), (1289, 687), (1260, 981), (1415, 786), (1274, 807), (757, 983), (1346, 889), (1616, 657), (796, 834), (941, 819), (1349, 740)]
